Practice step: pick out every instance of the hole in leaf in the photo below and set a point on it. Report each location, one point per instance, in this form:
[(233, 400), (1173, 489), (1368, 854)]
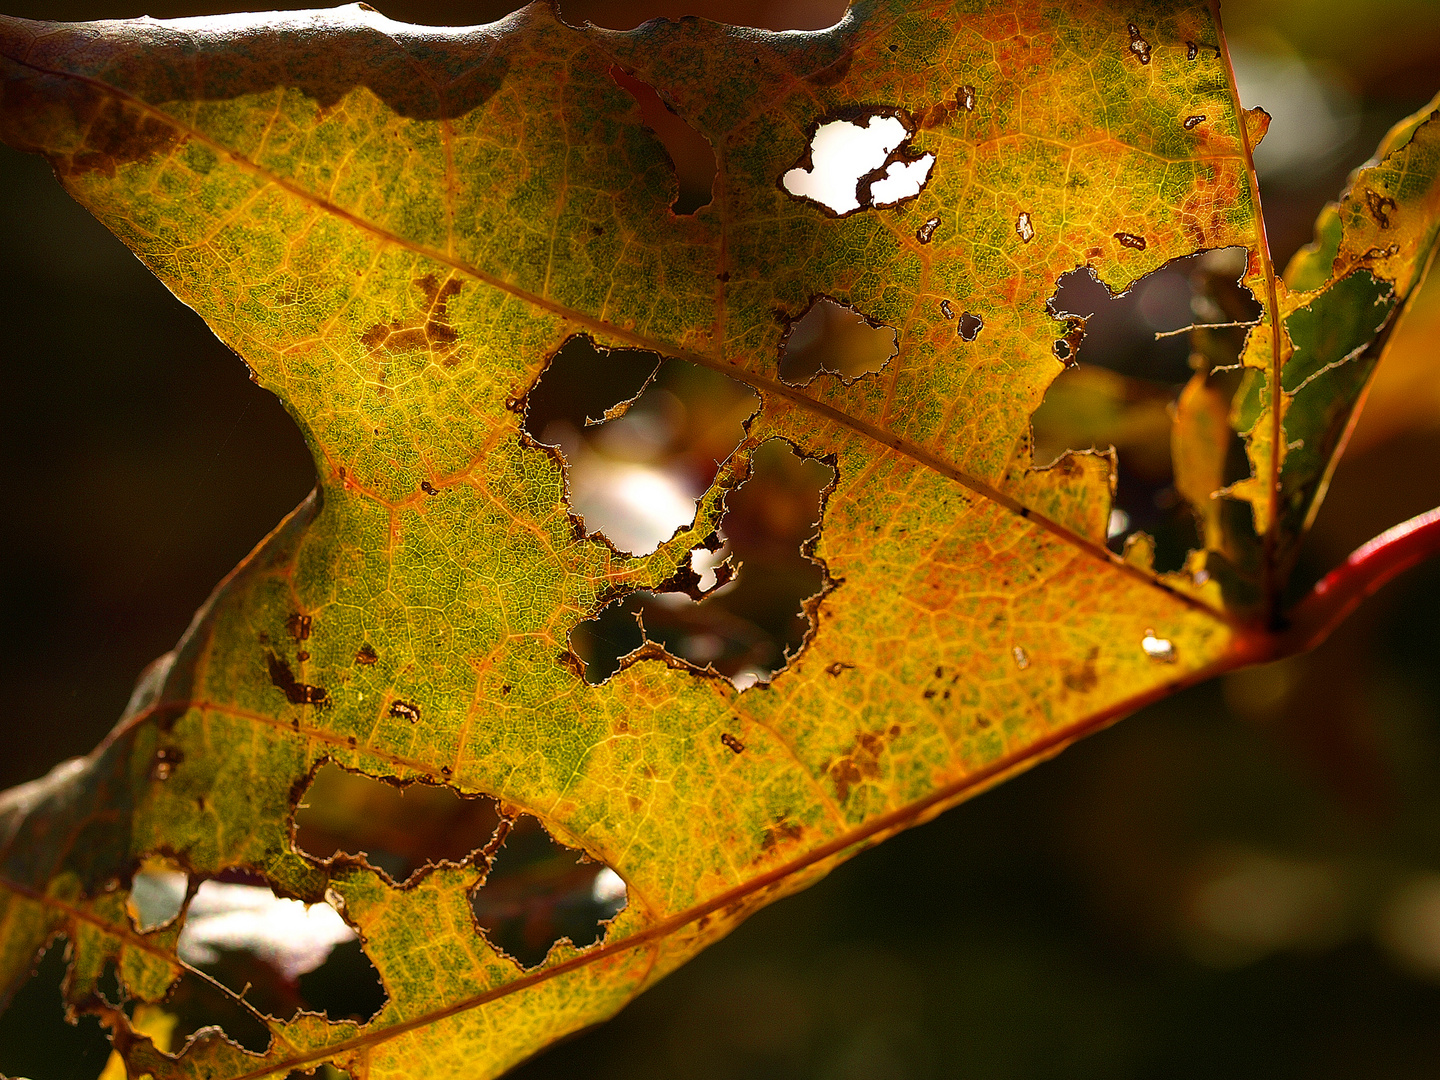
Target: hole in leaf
[(747, 628), (1194, 290), (401, 830), (690, 152), (638, 455), (901, 180), (36, 1040), (157, 893), (854, 164), (534, 892), (1128, 357), (196, 1003), (538, 891), (280, 955), (837, 339), (581, 383)]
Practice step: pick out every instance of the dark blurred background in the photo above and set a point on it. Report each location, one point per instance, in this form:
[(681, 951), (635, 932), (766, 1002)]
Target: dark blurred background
[(1243, 881)]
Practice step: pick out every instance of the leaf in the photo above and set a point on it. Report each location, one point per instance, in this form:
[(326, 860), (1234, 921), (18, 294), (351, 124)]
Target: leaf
[(398, 228)]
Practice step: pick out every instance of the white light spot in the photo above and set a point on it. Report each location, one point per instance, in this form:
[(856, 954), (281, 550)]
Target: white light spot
[(1023, 228), (293, 937), (841, 152), (1119, 522), (156, 897), (902, 180), (1159, 649), (705, 562), (1022, 658), (746, 678), (640, 506), (608, 888)]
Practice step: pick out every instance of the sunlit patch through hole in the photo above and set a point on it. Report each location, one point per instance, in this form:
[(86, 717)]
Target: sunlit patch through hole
[(535, 891), (690, 152), (642, 438), (282, 955), (157, 895), (1128, 358), (853, 164), (254, 955), (750, 624), (837, 339)]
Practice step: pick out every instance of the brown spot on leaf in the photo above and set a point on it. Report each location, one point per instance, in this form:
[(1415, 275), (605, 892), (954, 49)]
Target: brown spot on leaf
[(860, 763), (366, 655), (1084, 679), (732, 743), (298, 626), (426, 331), (115, 131), (297, 693), (406, 710), (838, 666), (428, 488), (934, 116), (1193, 121), (1380, 207), (1138, 45), (782, 831), (1130, 240), (832, 73)]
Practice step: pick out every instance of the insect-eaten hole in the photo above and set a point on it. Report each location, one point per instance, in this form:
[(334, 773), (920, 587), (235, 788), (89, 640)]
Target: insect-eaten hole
[(401, 830), (642, 438), (835, 338), (157, 895), (859, 162), (279, 955), (538, 893), (1127, 358), (691, 154), (535, 891), (37, 1038), (759, 575)]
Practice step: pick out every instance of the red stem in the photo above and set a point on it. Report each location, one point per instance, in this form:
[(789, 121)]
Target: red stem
[(1341, 591)]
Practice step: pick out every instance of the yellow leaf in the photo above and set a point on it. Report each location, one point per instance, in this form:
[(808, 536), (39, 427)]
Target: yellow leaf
[(384, 738)]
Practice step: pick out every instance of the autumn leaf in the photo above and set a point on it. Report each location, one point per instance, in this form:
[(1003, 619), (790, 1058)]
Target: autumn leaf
[(522, 764)]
